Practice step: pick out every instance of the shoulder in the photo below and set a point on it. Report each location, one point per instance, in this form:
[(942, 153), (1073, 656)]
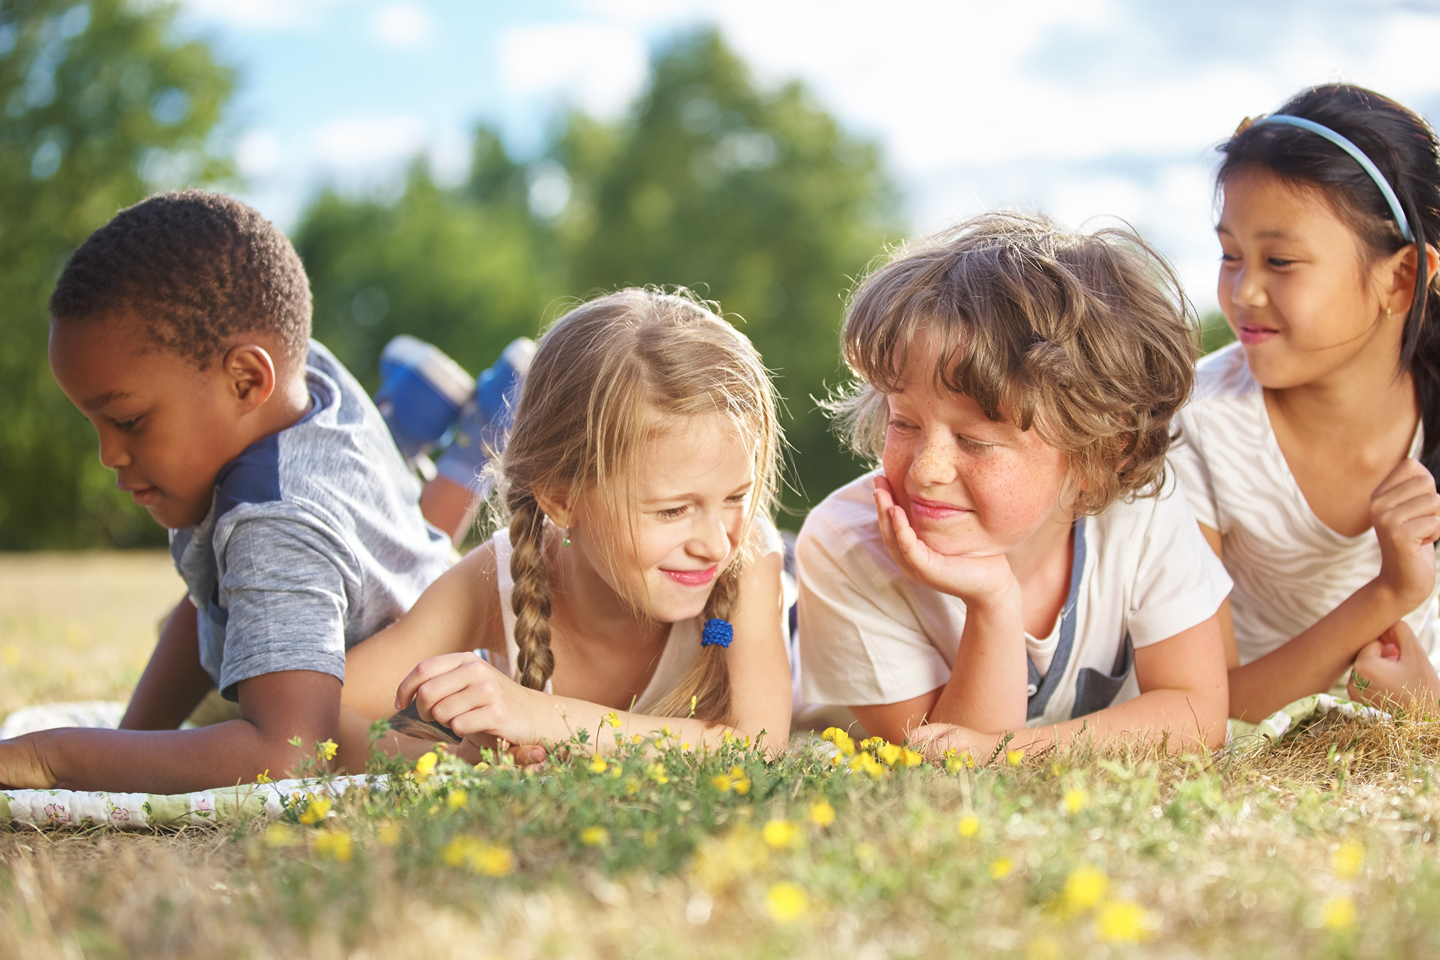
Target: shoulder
[(844, 518), (1223, 375), (1126, 523), (840, 542)]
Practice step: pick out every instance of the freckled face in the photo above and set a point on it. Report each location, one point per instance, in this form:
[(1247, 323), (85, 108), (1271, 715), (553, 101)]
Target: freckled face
[(969, 485)]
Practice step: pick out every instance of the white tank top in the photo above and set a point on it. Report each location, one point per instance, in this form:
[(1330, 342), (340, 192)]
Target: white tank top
[(682, 647)]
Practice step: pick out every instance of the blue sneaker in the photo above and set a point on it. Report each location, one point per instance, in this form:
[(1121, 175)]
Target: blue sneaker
[(485, 419), (422, 392)]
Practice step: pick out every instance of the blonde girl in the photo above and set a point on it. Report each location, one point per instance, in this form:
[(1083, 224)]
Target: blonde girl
[(1309, 450), (639, 574)]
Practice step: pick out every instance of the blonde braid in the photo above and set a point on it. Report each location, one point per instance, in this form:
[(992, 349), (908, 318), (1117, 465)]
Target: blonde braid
[(530, 596)]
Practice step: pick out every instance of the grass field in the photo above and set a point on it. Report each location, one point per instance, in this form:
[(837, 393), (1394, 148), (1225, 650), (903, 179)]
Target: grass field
[(1322, 847)]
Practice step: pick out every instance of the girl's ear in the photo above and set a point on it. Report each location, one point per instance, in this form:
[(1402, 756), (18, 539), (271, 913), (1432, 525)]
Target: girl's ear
[(557, 505), (1398, 280)]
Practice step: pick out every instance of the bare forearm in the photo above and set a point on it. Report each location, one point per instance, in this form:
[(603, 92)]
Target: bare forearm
[(174, 682), (167, 761), (1314, 660), (575, 715), (986, 690), (1183, 719)]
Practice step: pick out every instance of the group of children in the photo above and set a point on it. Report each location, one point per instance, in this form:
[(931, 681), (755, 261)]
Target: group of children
[(1025, 562)]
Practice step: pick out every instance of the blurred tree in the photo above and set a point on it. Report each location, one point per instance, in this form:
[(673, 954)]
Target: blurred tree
[(756, 199), (98, 106), (1215, 332), (466, 269)]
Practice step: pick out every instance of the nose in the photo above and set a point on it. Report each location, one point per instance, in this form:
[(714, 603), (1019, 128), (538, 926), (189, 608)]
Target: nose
[(712, 537), (1246, 289), (933, 465), (113, 454)]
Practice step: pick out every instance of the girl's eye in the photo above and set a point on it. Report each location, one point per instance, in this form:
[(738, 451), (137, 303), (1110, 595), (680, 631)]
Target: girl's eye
[(1229, 258), (127, 424), (674, 513), (1277, 262)]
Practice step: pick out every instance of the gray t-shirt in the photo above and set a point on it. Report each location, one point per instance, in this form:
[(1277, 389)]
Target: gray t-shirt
[(314, 540)]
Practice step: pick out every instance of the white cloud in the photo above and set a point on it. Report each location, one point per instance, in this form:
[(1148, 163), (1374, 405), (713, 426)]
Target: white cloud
[(258, 153), (261, 15), (597, 67), (405, 26), (361, 143)]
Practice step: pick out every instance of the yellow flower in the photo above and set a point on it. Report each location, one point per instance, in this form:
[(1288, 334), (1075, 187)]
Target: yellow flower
[(613, 719), (1000, 868), (457, 850), (955, 761), (388, 834), (864, 763), (457, 799), (1084, 888), (656, 772), (1121, 921), (1346, 860), (636, 738), (720, 862), (872, 743), (739, 780), (482, 766), (12, 655), (841, 739), (616, 771), (721, 783), (264, 777), (909, 758), (1075, 800), (492, 861), (651, 838), (598, 764), (830, 733), (315, 810), (822, 814), (889, 754), (1013, 757), (280, 835), (692, 705), (969, 826), (595, 837), (779, 833), (786, 901), (1340, 913), (665, 731), (425, 766), (684, 746), (632, 787), (326, 749), (335, 844)]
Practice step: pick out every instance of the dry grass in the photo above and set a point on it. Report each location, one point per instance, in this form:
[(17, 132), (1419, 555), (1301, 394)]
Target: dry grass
[(1322, 847)]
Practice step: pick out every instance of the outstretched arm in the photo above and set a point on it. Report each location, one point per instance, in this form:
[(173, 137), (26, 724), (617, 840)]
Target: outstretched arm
[(174, 682), (274, 708)]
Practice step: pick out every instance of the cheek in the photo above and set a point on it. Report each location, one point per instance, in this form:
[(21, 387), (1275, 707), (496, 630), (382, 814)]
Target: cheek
[(1017, 494)]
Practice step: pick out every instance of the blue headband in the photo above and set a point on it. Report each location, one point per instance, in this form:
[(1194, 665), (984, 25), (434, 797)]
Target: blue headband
[(1359, 156)]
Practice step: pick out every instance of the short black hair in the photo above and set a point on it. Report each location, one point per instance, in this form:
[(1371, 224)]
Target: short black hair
[(195, 269)]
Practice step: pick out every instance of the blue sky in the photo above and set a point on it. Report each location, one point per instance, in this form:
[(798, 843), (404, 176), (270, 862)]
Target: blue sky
[(1082, 108)]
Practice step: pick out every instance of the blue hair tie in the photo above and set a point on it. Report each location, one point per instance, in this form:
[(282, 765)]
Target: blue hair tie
[(1357, 155), (717, 633)]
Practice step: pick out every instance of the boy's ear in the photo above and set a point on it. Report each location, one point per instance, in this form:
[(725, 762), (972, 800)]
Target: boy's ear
[(557, 505), (249, 374)]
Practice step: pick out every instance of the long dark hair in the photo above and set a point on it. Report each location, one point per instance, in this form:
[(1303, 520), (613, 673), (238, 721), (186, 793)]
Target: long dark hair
[(1403, 146)]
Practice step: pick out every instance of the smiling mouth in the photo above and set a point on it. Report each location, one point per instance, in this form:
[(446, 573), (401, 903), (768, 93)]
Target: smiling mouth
[(1253, 333), (935, 510), (144, 496), (692, 578)]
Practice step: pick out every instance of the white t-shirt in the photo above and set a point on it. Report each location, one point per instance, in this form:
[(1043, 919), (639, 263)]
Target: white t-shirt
[(869, 635), (1289, 568)]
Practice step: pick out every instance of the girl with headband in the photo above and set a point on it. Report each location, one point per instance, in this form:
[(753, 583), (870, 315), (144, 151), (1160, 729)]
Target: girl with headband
[(1310, 448), (639, 578)]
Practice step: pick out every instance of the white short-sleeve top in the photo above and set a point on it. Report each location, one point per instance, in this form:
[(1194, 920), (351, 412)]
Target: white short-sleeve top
[(1141, 573), (1289, 568), (682, 647)]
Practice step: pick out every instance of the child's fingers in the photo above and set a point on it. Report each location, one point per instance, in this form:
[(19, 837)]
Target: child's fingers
[(1407, 471), (427, 670)]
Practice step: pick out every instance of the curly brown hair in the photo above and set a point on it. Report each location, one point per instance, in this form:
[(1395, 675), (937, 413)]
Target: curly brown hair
[(194, 270), (1086, 337)]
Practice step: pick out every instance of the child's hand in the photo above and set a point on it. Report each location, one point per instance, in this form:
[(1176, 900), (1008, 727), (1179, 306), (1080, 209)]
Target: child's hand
[(473, 698), (1394, 670), (935, 740), (22, 767), (976, 580), (1405, 510)]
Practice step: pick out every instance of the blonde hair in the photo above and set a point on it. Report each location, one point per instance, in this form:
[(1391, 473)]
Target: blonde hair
[(608, 377), (1086, 337)]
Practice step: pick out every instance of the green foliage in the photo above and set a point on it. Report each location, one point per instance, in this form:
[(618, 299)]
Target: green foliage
[(756, 199), (99, 107), (1215, 332)]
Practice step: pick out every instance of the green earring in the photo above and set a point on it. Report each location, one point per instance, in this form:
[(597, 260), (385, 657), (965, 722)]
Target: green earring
[(566, 541)]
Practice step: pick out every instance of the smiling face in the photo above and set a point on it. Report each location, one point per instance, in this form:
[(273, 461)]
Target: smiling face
[(688, 522), (969, 485), (165, 426), (1295, 286)]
